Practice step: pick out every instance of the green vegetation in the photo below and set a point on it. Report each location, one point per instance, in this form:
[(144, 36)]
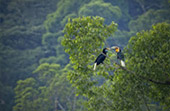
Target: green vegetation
[(47, 50), (48, 90), (145, 79), (147, 56)]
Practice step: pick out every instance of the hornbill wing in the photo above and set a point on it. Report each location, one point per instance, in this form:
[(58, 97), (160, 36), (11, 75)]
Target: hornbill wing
[(100, 59), (120, 56)]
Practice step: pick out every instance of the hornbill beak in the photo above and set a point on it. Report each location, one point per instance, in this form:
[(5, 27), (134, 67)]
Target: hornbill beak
[(113, 47), (116, 48), (108, 48)]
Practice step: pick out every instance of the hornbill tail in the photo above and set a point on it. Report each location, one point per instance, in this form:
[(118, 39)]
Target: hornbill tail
[(95, 64), (122, 63)]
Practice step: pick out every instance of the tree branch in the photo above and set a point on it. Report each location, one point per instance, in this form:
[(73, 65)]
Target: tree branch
[(58, 103), (148, 79)]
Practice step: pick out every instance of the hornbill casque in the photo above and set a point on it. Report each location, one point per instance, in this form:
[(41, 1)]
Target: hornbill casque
[(120, 55), (101, 57)]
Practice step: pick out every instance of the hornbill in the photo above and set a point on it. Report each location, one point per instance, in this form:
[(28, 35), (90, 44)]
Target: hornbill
[(120, 55), (101, 57)]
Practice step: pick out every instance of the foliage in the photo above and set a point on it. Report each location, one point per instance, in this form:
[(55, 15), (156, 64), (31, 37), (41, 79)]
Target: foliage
[(31, 35), (83, 37), (147, 56), (49, 90), (6, 93), (84, 31), (145, 80), (54, 25), (20, 38), (21, 29), (102, 9), (26, 93), (135, 87), (125, 8), (65, 9), (146, 20)]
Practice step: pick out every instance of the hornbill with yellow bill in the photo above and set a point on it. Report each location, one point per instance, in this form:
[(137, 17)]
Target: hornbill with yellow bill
[(120, 55), (101, 57)]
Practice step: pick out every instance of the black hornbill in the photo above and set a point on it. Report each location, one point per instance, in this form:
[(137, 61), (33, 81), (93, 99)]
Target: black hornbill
[(120, 55), (101, 57)]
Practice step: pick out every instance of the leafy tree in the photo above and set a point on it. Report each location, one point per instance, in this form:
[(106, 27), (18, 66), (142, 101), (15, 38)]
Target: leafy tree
[(26, 91), (49, 90), (147, 56), (144, 81), (83, 38)]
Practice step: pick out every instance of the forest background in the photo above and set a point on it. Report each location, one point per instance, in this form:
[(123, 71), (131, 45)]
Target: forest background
[(36, 73)]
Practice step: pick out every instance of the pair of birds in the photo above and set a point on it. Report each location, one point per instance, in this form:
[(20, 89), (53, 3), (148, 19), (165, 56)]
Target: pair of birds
[(103, 55)]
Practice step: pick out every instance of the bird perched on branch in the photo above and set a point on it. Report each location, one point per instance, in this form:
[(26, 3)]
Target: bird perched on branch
[(101, 57), (120, 55)]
